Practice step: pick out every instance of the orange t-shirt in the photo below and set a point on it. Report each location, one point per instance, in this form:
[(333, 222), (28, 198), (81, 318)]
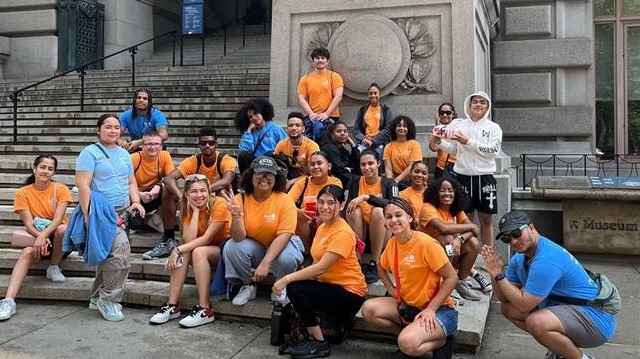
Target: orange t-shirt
[(318, 89), (305, 150), (442, 157), (189, 166), (374, 189), (263, 221), (40, 203), (311, 193), (415, 199), (402, 154), (429, 212), (219, 213), (149, 172), (419, 260), (339, 238), (372, 121)]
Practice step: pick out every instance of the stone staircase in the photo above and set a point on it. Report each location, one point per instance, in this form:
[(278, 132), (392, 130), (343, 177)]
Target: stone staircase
[(50, 121)]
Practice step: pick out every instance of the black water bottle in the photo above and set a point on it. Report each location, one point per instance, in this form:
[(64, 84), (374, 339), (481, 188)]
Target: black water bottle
[(277, 329)]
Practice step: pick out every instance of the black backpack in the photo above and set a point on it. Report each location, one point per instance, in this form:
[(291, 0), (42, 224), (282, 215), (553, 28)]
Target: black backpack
[(219, 158)]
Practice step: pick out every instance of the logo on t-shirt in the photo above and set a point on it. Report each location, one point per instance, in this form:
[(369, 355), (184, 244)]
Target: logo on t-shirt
[(409, 259), (270, 217)]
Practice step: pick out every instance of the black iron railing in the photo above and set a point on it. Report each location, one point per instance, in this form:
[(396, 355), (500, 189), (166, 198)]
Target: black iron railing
[(533, 165), (82, 70)]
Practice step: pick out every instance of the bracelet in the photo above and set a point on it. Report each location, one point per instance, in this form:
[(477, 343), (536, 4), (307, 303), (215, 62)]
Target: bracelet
[(178, 250), (461, 238)]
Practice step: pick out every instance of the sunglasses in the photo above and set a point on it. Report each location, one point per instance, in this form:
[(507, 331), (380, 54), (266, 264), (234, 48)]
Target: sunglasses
[(442, 113), (210, 143), (295, 153), (516, 233)]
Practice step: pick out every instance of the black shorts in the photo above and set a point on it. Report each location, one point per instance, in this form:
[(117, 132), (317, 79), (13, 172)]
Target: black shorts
[(481, 193)]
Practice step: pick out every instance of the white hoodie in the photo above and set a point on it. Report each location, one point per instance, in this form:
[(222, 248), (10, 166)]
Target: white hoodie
[(477, 157)]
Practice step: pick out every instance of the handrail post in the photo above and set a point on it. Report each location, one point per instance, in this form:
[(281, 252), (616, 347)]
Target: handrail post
[(585, 165), (15, 97), (173, 53), (225, 41), (243, 32), (133, 51), (264, 27), (617, 164), (82, 72), (524, 171)]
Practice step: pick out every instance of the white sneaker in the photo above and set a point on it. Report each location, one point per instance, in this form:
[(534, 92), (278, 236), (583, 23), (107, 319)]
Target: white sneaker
[(282, 298), (55, 275), (197, 316), (93, 304), (166, 313), (246, 293), (7, 308), (110, 310)]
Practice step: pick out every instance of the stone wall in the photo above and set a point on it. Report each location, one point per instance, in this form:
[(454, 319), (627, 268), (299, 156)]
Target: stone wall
[(421, 53), (543, 76), (30, 26)]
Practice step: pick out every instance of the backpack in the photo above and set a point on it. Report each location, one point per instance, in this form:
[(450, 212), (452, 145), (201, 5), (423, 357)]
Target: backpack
[(608, 298), (219, 158)]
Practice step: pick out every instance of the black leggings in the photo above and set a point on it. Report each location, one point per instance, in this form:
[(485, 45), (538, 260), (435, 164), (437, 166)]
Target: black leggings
[(308, 296)]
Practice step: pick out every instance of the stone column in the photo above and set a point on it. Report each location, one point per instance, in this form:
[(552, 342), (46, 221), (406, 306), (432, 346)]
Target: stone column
[(5, 51), (127, 23)]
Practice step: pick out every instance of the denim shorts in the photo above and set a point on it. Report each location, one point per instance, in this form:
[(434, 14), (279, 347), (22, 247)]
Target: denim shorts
[(447, 317)]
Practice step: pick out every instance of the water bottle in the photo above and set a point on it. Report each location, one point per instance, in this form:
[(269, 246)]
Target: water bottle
[(277, 330)]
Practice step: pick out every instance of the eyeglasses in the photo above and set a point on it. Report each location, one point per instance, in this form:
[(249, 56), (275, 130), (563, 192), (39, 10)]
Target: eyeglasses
[(295, 153), (195, 177), (516, 233), (448, 113), (446, 190), (152, 144), (262, 175), (210, 143)]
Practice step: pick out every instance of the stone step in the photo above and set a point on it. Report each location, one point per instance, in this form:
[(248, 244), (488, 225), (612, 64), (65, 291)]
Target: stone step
[(472, 316), (54, 149)]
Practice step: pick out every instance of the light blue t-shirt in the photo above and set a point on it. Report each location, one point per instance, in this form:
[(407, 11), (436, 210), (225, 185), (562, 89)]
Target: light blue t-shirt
[(142, 124), (553, 270), (110, 175)]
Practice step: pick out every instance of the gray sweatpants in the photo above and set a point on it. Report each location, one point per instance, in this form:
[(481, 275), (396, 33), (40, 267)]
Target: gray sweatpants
[(112, 273), (241, 256)]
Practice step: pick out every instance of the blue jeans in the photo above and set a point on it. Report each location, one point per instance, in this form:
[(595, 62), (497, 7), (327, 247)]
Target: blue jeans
[(315, 129)]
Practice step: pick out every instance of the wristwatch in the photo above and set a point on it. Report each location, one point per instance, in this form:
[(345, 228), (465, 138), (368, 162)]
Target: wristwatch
[(499, 277)]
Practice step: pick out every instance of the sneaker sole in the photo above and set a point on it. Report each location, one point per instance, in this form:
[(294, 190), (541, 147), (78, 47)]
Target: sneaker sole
[(182, 325), (171, 317)]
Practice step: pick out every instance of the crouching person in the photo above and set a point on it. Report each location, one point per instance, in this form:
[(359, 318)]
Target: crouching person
[(540, 282), (419, 309), (333, 284)]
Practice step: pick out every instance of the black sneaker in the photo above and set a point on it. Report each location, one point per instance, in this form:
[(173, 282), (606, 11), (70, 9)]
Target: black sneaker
[(445, 351), (162, 250), (398, 354), (310, 348), (370, 272)]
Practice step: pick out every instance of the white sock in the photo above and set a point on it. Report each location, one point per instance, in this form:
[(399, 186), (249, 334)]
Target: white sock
[(584, 356)]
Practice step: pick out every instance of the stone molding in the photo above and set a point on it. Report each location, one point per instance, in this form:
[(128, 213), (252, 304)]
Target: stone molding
[(567, 121), (574, 52)]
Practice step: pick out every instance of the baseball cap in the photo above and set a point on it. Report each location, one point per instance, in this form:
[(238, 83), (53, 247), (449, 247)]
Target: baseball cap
[(265, 164), (511, 221)]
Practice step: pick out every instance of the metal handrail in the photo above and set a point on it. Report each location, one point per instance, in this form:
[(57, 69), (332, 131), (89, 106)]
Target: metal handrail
[(82, 69), (575, 164)]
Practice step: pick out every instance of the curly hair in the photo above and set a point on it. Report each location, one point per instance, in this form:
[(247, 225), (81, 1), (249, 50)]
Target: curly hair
[(411, 127), (134, 111), (257, 105), (320, 52), (246, 181), (432, 195)]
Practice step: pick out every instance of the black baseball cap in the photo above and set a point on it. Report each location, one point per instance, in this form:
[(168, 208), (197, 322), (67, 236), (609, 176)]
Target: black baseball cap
[(511, 221), (265, 164)]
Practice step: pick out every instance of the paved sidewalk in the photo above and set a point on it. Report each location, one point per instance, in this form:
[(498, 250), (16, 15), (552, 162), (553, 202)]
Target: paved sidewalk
[(50, 329)]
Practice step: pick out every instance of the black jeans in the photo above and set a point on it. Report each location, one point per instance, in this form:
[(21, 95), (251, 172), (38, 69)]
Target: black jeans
[(308, 296)]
